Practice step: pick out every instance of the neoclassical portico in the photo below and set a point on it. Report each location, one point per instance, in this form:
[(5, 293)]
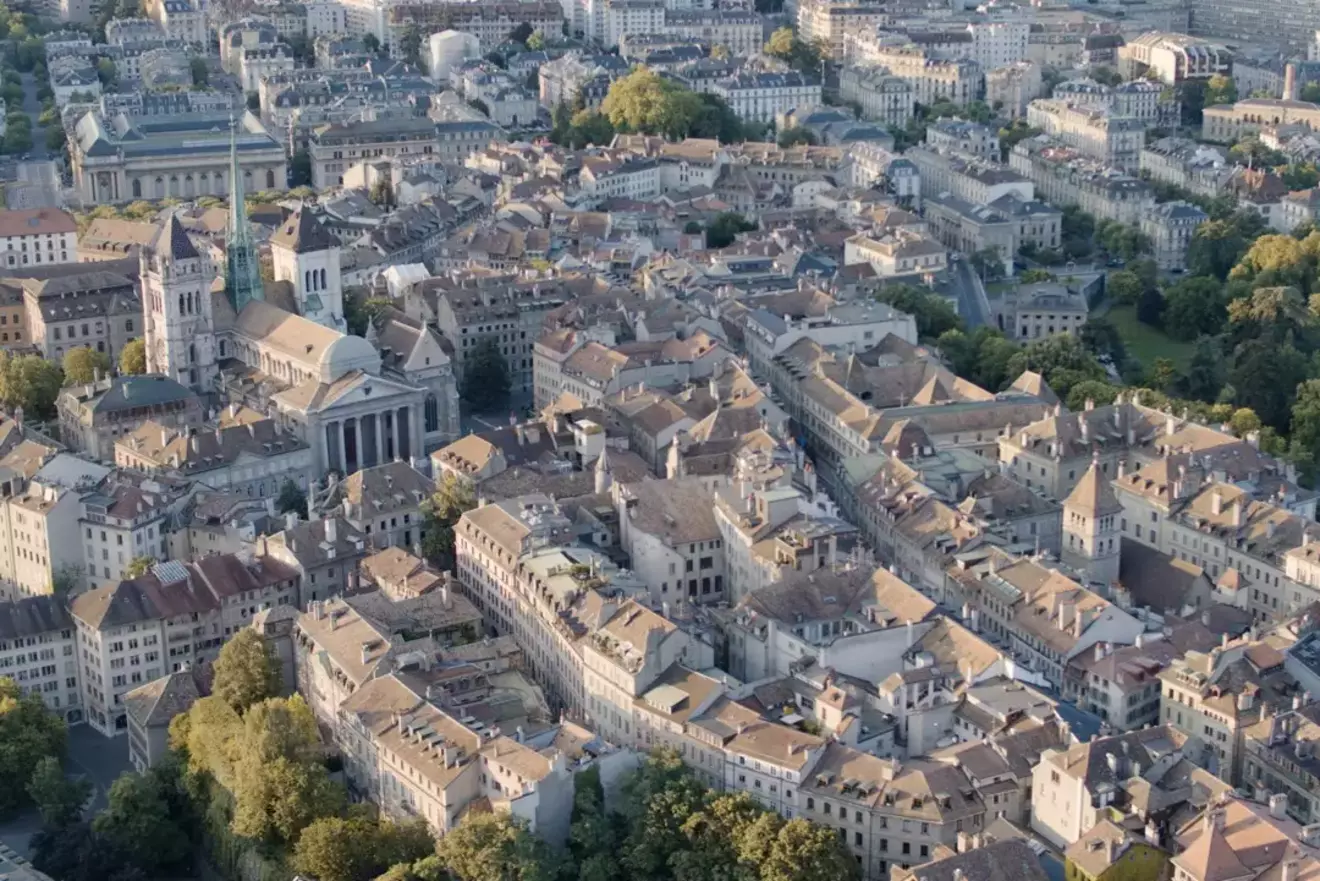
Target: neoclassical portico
[(370, 439)]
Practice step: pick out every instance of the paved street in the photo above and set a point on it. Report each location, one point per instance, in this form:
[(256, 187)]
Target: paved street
[(972, 303), (32, 107), (99, 759)]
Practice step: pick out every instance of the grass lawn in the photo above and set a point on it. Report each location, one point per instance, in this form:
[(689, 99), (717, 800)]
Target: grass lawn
[(1146, 343)]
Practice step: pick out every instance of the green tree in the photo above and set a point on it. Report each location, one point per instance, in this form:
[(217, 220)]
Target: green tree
[(106, 73), (988, 263), (1264, 376), (83, 364), (245, 672), (521, 34), (201, 72), (1194, 307), (139, 566), (291, 498), (1015, 132), (536, 42), (30, 382), (372, 43), (804, 851), (1102, 339), (792, 137), (440, 514), (133, 358), (1220, 89), (1163, 376), (645, 102), (1092, 391), (495, 847), (1150, 307), (58, 797), (17, 140), (141, 823), (934, 314), (589, 128), (486, 382), (786, 46), (1204, 379), (410, 45), (56, 139), (1061, 359), (725, 228), (1124, 287)]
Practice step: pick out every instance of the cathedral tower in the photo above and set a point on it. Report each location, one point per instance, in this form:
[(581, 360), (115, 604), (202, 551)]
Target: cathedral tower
[(306, 255), (242, 268), (176, 301)]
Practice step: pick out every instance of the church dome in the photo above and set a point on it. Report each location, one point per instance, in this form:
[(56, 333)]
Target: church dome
[(346, 354)]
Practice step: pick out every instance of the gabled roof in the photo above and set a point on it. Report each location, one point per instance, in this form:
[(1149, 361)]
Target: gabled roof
[(159, 701)]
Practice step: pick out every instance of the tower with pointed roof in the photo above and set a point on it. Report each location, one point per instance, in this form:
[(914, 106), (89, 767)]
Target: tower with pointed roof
[(242, 269), (1091, 536), (306, 255), (176, 303)]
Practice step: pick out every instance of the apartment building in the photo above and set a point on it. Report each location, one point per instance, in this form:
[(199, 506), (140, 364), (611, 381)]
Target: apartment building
[(966, 227), (38, 237), (1170, 227), (176, 615), (1198, 168), (1013, 86), (883, 97), (324, 553), (128, 517), (95, 416), (965, 177), (1063, 175), (1218, 695), (1198, 517), (934, 77), (150, 709), (1279, 759), (961, 136), (1042, 309), (490, 22), (1096, 132), (38, 652), (384, 504), (764, 97), (829, 21), (673, 539), (1173, 58), (254, 458), (40, 539), (740, 30), (337, 147), (1074, 788)]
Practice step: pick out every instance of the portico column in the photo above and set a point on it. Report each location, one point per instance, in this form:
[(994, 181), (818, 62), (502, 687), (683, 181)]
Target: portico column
[(357, 441), (380, 439), (343, 460), (402, 441)]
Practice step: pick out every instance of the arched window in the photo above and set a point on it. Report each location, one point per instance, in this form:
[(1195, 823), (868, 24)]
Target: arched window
[(322, 280), (223, 354), (128, 326), (432, 412), (180, 303), (307, 280), (192, 353), (270, 179), (137, 188)]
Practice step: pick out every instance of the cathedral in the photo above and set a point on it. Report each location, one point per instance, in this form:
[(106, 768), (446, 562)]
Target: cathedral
[(283, 348)]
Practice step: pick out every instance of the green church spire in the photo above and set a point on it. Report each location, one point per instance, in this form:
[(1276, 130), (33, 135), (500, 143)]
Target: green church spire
[(242, 269)]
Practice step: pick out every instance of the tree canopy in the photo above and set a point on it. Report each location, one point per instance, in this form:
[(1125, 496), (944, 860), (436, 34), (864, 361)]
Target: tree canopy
[(29, 733), (245, 672), (486, 381), (133, 358), (83, 364)]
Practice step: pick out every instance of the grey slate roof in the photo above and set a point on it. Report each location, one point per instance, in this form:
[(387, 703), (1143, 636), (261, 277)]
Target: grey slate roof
[(140, 391), (33, 616)]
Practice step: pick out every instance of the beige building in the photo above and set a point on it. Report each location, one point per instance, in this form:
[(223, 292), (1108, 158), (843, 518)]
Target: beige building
[(255, 458), (150, 709), (1218, 695), (1095, 131), (175, 617), (1170, 227), (1075, 788), (1173, 58), (934, 77), (94, 417), (1064, 175), (830, 21), (38, 652), (37, 237), (1042, 309)]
